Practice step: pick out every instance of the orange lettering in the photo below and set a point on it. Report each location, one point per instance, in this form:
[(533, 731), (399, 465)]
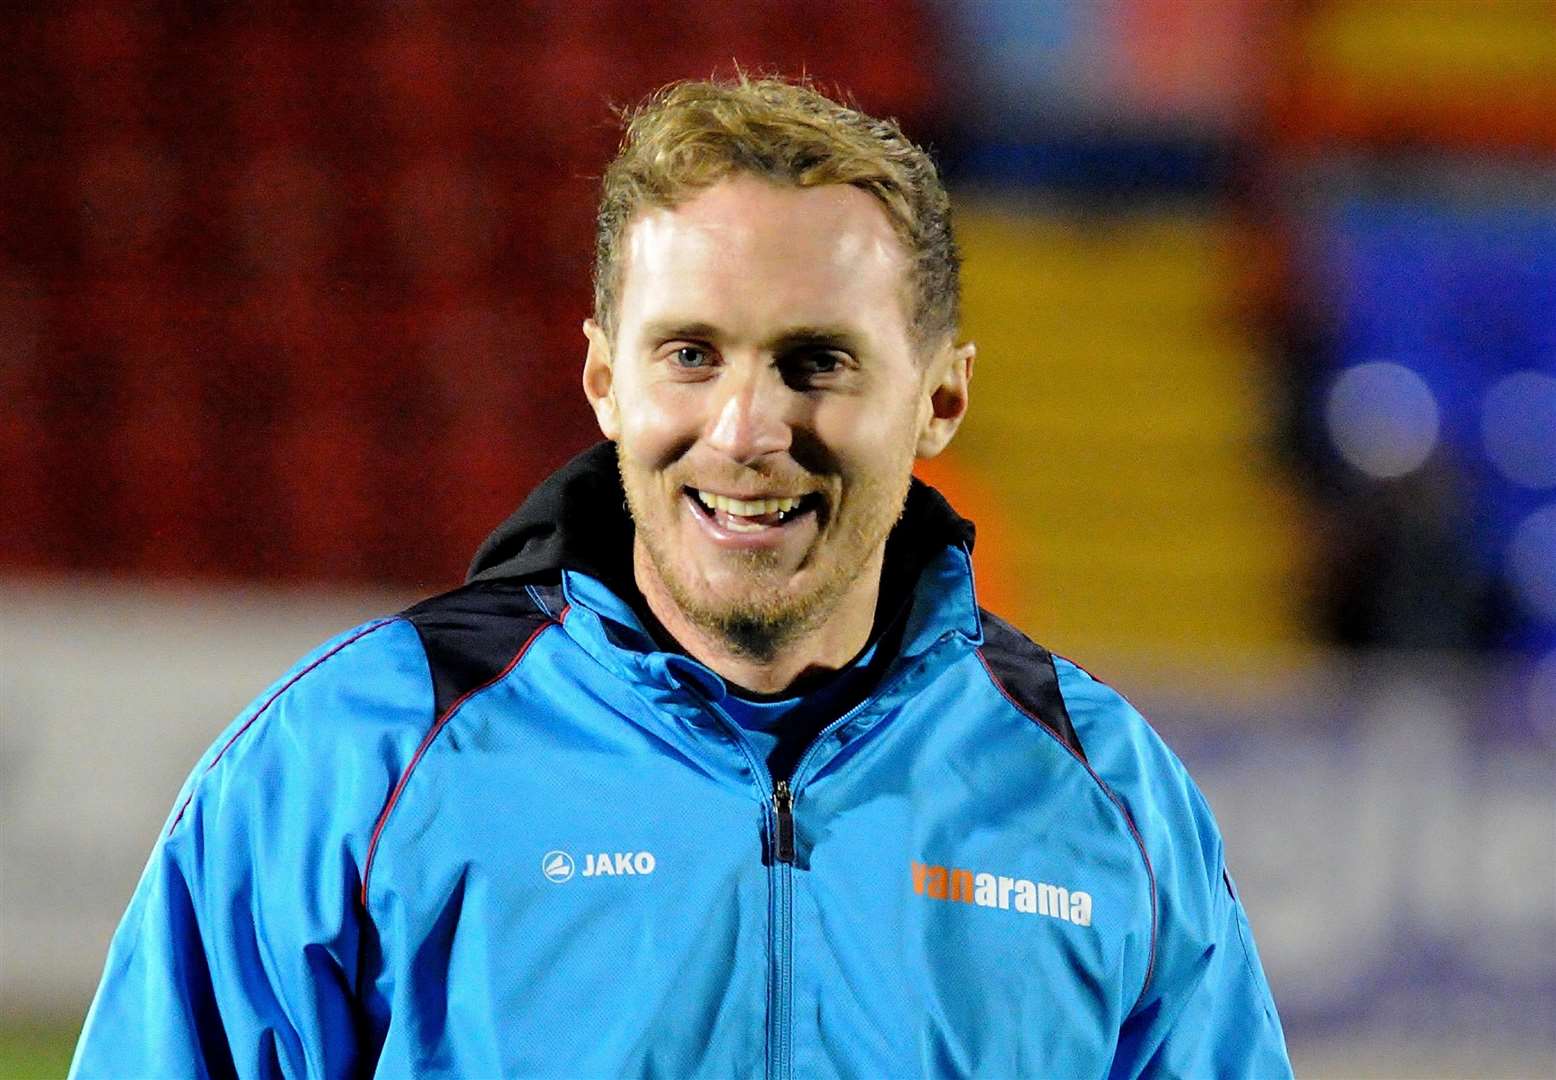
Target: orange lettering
[(937, 882)]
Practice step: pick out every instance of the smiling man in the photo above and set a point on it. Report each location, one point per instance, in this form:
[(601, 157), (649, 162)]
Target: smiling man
[(767, 393), (714, 766)]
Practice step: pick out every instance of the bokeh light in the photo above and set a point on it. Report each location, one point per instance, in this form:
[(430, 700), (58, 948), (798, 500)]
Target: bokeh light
[(1383, 418)]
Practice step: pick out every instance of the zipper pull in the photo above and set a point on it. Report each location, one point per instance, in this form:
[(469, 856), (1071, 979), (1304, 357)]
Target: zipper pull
[(783, 802)]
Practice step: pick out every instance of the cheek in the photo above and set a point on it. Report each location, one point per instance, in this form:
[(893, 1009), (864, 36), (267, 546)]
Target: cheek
[(657, 424), (869, 434)]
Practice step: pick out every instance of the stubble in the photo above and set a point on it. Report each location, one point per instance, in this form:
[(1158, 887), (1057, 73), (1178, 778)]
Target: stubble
[(768, 616)]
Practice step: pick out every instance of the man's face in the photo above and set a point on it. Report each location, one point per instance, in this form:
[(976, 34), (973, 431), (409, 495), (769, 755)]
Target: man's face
[(767, 402)]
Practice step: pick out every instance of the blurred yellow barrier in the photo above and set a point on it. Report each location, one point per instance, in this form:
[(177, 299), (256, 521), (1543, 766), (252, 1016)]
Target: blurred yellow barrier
[(1121, 422)]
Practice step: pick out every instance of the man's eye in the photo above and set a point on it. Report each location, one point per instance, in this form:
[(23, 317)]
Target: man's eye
[(690, 356), (800, 369)]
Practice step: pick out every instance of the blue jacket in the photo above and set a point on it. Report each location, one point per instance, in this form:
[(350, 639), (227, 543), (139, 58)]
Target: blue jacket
[(506, 833)]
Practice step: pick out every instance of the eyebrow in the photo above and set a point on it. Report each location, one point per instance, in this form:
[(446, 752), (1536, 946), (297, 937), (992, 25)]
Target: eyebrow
[(837, 337), (670, 329)]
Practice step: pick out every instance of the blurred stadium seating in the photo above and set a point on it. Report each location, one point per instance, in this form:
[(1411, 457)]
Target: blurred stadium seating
[(277, 269)]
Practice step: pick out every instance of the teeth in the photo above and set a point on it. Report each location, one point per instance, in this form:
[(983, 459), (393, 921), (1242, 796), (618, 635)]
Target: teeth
[(746, 507)]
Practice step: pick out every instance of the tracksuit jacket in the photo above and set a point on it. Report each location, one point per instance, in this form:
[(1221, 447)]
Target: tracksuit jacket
[(512, 832)]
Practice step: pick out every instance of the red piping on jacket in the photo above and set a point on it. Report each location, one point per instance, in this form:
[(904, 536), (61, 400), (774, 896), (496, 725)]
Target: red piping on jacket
[(1150, 871), (268, 702), (432, 733)]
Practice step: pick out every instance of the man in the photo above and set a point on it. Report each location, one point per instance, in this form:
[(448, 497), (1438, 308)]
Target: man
[(735, 780)]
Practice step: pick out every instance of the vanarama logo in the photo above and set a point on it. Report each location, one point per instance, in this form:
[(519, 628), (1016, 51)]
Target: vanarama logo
[(999, 891)]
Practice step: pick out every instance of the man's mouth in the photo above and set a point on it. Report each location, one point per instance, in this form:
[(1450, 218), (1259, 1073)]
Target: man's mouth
[(752, 515)]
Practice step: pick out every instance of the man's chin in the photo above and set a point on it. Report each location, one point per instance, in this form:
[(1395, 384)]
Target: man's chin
[(755, 621), (756, 636)]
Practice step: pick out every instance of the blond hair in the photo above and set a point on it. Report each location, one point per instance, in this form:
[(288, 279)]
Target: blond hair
[(690, 135)]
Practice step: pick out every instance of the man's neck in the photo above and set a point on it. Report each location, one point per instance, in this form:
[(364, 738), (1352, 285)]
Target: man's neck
[(829, 644)]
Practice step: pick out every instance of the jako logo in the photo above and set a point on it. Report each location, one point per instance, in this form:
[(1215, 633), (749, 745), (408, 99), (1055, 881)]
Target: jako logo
[(607, 864), (558, 866), (997, 891)]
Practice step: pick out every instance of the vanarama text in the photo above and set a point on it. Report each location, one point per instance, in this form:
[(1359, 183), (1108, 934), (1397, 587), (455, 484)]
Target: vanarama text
[(999, 891)]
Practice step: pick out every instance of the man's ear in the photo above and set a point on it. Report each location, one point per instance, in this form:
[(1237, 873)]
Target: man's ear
[(946, 386), (599, 380)]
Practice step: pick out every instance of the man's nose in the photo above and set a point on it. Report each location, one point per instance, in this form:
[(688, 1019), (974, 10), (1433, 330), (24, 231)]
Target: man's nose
[(751, 417)]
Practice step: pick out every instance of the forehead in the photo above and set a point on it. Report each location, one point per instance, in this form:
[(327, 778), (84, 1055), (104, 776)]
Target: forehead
[(749, 253)]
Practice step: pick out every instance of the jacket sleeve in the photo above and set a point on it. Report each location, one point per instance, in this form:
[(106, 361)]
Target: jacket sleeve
[(238, 954), (1207, 1010), (1204, 1008)]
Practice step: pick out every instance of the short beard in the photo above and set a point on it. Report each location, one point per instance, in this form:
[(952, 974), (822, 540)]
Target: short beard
[(757, 628)]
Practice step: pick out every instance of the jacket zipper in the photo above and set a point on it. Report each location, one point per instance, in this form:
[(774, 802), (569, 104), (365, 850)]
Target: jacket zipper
[(781, 974), (780, 1007), (783, 931), (783, 804), (780, 1062)]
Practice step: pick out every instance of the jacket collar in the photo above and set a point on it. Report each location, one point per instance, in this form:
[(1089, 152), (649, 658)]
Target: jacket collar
[(575, 520), (942, 607)]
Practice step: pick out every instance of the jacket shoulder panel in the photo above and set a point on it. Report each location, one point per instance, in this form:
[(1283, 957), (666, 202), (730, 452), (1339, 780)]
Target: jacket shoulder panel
[(241, 947), (471, 633), (473, 637), (1024, 672), (1035, 682)]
